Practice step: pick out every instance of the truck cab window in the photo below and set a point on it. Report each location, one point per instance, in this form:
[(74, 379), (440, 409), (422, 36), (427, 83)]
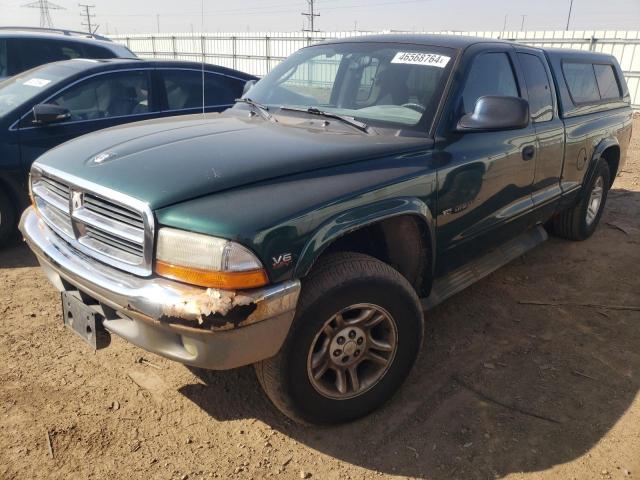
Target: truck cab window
[(535, 76), (607, 83), (581, 82), (490, 74)]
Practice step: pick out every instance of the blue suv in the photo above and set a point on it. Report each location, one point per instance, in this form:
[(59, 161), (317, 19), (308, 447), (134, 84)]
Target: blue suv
[(54, 103), (23, 48)]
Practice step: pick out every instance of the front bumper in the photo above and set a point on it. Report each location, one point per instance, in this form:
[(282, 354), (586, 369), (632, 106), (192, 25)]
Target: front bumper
[(206, 328)]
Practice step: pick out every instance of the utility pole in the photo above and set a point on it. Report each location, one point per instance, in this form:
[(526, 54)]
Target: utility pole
[(158, 22), (504, 25), (310, 17), (86, 13), (522, 24), (45, 15), (569, 16)]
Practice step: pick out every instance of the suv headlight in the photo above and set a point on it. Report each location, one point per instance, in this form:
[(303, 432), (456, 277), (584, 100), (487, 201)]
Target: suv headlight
[(207, 261)]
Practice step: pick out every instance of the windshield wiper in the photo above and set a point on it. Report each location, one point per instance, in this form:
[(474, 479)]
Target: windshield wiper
[(262, 109), (363, 127)]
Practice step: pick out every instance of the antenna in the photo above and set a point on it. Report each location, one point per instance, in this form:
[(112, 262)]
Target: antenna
[(569, 16), (311, 17), (88, 15), (45, 15), (202, 33)]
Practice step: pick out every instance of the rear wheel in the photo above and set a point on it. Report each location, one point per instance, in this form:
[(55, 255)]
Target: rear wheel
[(580, 221), (7, 218), (356, 335)]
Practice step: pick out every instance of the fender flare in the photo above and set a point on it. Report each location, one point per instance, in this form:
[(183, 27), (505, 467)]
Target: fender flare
[(359, 217), (604, 144)]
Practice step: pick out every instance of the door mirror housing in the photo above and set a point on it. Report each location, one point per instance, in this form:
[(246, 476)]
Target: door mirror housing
[(495, 112), (46, 113), (248, 86)]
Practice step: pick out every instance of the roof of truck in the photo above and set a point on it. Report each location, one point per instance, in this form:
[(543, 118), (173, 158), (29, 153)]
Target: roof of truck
[(451, 41), (585, 55)]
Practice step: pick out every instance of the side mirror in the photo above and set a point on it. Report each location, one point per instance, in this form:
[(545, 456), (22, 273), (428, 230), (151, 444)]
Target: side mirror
[(45, 113), (248, 86), (494, 112)]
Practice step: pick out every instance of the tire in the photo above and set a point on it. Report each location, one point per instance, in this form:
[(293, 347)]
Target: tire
[(580, 221), (353, 285), (7, 219)]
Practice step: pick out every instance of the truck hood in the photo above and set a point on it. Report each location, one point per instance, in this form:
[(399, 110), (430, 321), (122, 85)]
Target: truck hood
[(170, 160)]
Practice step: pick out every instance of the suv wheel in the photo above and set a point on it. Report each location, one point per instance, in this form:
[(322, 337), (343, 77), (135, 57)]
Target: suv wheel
[(356, 335), (580, 221), (7, 218)]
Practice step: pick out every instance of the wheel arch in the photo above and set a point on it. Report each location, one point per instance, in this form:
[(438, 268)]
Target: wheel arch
[(609, 150), (393, 231)]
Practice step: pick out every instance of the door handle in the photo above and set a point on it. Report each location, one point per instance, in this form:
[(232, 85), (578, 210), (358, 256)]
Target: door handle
[(528, 152)]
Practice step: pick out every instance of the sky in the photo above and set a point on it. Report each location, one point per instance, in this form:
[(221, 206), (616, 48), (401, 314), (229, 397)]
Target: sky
[(136, 16)]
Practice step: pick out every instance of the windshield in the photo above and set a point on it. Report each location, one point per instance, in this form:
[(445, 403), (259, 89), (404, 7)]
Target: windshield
[(385, 84), (17, 90)]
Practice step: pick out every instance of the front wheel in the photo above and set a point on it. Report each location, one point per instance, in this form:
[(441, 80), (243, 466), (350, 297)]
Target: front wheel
[(580, 221), (356, 335)]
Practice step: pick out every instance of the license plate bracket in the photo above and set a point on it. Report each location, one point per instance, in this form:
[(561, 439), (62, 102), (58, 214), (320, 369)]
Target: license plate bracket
[(81, 319)]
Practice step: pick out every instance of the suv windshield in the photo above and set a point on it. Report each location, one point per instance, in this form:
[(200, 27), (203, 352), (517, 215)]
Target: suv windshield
[(14, 91), (385, 84)]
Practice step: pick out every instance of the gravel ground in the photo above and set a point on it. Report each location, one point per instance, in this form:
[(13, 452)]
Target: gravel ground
[(503, 389)]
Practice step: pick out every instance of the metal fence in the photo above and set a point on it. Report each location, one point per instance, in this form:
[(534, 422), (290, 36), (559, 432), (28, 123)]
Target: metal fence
[(258, 53)]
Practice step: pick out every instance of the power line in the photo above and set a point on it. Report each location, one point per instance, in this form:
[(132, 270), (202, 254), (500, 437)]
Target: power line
[(88, 15), (259, 10), (45, 15), (310, 17)]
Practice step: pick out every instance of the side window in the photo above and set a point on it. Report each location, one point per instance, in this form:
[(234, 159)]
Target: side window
[(535, 75), (35, 52), (69, 50), (581, 82), (93, 51), (108, 95), (490, 74), (184, 89), (607, 83)]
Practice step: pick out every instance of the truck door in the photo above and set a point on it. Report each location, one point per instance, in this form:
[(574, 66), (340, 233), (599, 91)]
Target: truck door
[(485, 178), (549, 130)]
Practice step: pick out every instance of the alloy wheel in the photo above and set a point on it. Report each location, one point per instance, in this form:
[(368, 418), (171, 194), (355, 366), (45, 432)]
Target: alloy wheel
[(352, 351), (595, 200)]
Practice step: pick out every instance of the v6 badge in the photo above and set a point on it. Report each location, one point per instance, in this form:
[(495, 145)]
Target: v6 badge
[(282, 260)]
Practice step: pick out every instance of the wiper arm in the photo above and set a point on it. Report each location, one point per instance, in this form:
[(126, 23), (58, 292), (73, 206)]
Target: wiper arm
[(262, 109), (363, 127)]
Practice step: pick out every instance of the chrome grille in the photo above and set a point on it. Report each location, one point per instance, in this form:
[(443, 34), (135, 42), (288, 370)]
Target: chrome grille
[(102, 223), (115, 212)]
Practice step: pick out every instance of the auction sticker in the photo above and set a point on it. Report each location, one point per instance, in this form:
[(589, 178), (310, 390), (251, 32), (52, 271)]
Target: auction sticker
[(428, 59), (37, 82)]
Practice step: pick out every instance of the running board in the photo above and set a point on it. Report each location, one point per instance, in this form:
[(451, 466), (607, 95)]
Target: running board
[(458, 280)]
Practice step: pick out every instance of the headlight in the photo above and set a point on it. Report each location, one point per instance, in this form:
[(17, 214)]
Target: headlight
[(207, 261)]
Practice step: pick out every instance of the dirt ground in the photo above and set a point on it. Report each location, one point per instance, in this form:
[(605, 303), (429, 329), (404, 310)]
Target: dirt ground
[(503, 389)]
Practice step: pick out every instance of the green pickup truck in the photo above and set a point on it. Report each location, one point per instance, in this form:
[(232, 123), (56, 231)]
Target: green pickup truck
[(307, 229)]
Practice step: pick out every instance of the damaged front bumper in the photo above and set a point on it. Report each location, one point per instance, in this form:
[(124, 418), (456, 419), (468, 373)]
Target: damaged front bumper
[(207, 328)]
